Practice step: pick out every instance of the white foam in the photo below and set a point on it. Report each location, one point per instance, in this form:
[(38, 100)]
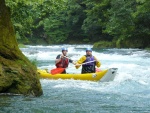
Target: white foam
[(133, 66)]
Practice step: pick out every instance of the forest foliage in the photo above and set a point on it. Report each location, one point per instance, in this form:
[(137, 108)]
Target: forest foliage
[(121, 23)]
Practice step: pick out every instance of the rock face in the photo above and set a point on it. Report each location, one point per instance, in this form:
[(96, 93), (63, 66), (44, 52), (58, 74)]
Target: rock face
[(17, 74)]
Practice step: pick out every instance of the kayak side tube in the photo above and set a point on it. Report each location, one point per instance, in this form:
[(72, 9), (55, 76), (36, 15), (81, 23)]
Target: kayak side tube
[(98, 76)]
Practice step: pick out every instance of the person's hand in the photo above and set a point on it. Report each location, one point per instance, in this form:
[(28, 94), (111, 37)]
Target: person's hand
[(77, 64), (62, 56), (74, 62), (95, 59)]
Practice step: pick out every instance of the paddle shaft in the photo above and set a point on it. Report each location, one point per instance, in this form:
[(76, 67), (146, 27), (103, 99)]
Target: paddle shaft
[(87, 62), (69, 59), (82, 63)]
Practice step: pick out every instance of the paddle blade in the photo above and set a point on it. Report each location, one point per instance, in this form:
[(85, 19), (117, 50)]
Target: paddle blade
[(57, 71)]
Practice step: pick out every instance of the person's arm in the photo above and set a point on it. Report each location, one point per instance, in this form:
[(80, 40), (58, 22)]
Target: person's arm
[(58, 59), (98, 64), (71, 61), (80, 61)]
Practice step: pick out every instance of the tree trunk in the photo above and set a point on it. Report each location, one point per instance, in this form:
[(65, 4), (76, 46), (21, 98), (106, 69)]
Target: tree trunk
[(17, 74)]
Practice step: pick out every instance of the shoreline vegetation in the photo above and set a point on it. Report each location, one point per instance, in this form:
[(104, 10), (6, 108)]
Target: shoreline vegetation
[(104, 45), (104, 23), (96, 45)]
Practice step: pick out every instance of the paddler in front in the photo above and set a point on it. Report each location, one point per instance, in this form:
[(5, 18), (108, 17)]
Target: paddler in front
[(62, 61), (88, 62)]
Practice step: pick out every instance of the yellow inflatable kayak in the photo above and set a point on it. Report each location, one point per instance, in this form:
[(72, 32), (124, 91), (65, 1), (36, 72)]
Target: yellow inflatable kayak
[(103, 76)]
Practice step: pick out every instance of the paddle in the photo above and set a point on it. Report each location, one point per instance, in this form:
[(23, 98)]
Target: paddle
[(86, 62), (57, 71)]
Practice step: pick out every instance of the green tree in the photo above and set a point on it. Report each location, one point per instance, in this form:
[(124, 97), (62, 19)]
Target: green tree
[(96, 19), (75, 16), (120, 24), (29, 18), (83, 21), (142, 22), (64, 24)]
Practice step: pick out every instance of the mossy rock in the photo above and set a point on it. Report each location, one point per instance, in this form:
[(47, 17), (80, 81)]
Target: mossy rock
[(17, 74), (19, 77)]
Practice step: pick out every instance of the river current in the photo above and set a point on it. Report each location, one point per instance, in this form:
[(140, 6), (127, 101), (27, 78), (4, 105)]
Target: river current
[(129, 92)]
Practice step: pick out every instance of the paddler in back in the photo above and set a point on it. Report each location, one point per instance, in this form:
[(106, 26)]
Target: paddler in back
[(62, 61), (88, 62)]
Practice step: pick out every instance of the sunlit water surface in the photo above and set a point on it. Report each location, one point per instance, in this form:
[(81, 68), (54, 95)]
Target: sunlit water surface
[(128, 93)]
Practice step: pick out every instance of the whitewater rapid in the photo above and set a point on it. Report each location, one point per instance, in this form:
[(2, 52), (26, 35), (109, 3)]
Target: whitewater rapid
[(128, 92)]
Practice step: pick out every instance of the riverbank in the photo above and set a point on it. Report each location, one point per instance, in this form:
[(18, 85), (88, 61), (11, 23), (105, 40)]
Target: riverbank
[(115, 43)]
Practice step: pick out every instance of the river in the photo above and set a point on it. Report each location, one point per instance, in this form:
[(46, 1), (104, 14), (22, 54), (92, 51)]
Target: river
[(129, 92)]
